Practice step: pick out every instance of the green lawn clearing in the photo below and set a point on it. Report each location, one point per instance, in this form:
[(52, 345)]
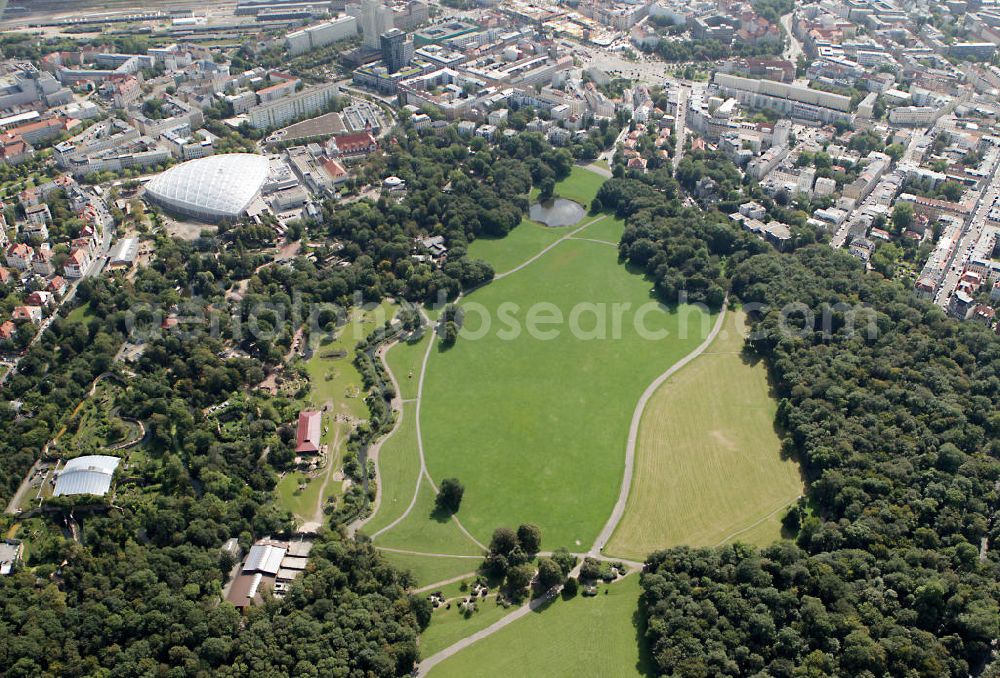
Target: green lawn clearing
[(536, 428), (609, 229), (450, 626), (426, 531), (580, 186), (398, 468), (524, 242), (404, 360), (597, 636), (708, 462), (80, 314), (430, 569), (333, 377)]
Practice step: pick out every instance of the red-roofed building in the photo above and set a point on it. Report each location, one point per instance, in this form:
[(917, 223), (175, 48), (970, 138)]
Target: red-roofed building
[(5, 276), (39, 298), (277, 91), (29, 313), (43, 130), (76, 264), (7, 330), (57, 285), (41, 263), (125, 89), (19, 256), (357, 144), (14, 149), (307, 439), (335, 170)]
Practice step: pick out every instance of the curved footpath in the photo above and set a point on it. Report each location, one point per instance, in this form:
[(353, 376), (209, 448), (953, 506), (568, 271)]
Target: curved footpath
[(616, 515), (633, 433), (373, 451), (420, 443), (544, 250)]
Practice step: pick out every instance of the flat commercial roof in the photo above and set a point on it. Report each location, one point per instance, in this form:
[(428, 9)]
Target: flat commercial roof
[(294, 563), (86, 475)]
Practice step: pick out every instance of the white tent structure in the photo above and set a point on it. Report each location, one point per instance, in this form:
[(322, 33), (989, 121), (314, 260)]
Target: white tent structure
[(86, 475), (212, 189)]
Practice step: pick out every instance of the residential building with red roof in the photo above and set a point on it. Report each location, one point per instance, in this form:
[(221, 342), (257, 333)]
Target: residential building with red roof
[(14, 149), (37, 132), (41, 262), (57, 285), (27, 313), (19, 256), (76, 264)]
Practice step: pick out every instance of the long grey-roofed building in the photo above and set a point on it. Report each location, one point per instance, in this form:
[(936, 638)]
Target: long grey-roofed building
[(264, 558), (86, 475), (124, 252)]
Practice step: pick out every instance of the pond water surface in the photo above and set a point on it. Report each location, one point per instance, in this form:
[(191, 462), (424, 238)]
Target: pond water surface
[(558, 212)]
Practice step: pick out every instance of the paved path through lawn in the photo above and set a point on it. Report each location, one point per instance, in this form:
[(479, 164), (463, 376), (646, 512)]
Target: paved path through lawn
[(424, 473), (501, 276), (426, 665), (633, 433)]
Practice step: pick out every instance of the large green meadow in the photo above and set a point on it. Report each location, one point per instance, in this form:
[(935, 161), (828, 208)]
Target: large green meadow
[(708, 462)]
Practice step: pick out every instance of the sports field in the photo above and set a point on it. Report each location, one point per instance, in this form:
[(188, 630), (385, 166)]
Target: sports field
[(708, 463), (596, 636)]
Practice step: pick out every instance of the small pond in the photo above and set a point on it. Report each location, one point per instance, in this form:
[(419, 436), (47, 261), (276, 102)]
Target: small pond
[(558, 212)]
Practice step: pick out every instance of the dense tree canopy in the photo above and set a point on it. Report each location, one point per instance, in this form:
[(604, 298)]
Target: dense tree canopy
[(896, 424)]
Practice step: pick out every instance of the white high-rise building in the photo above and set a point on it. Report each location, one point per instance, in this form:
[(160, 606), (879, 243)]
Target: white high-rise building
[(376, 19)]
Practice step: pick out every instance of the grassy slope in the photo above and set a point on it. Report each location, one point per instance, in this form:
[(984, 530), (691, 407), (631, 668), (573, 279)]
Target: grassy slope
[(708, 463), (580, 637), (536, 429), (427, 532), (522, 243), (404, 360), (428, 569), (398, 468)]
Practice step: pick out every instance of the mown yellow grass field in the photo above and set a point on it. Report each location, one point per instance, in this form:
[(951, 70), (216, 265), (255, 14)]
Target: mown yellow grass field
[(708, 462)]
